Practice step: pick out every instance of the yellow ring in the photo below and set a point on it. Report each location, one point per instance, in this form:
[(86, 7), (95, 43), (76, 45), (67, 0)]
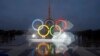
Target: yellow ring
[(43, 44), (39, 28)]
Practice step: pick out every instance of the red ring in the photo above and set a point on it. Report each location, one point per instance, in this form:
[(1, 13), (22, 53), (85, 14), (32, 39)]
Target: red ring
[(62, 20)]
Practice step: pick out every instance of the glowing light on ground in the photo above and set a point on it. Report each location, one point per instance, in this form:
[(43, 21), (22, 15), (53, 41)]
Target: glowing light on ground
[(46, 40), (33, 36)]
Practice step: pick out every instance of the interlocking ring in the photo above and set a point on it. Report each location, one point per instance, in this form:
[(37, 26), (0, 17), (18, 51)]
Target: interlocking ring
[(52, 21), (37, 20), (54, 28), (39, 28), (61, 20)]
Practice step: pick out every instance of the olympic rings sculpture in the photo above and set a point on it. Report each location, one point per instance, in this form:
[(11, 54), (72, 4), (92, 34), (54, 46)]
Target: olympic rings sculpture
[(49, 28)]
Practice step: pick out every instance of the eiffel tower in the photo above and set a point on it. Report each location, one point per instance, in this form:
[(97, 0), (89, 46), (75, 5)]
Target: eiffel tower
[(49, 22)]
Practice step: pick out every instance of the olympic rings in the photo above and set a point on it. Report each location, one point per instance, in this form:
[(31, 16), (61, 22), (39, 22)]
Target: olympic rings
[(46, 50), (55, 26), (36, 21), (61, 20), (54, 22), (40, 29), (50, 27)]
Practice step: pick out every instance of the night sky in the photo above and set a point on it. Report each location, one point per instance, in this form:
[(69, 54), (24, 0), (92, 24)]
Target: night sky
[(19, 14)]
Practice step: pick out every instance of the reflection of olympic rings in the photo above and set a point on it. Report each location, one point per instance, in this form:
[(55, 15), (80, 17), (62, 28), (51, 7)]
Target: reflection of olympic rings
[(39, 28), (35, 22), (61, 20), (46, 50), (57, 27)]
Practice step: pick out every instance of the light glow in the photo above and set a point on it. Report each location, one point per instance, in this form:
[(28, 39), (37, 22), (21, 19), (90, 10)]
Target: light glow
[(33, 36)]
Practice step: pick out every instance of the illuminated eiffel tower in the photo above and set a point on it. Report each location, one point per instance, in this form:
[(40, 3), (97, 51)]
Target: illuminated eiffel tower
[(49, 22)]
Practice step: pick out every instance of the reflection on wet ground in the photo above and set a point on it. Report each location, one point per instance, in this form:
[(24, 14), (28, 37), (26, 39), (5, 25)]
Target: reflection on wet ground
[(20, 47)]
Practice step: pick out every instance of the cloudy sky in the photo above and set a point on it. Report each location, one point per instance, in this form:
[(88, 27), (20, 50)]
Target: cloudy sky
[(19, 14)]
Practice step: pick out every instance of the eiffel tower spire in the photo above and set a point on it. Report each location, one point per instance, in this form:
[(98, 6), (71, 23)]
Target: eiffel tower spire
[(49, 10)]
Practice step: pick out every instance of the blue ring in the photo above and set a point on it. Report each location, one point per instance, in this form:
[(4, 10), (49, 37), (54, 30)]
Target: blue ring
[(35, 22)]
